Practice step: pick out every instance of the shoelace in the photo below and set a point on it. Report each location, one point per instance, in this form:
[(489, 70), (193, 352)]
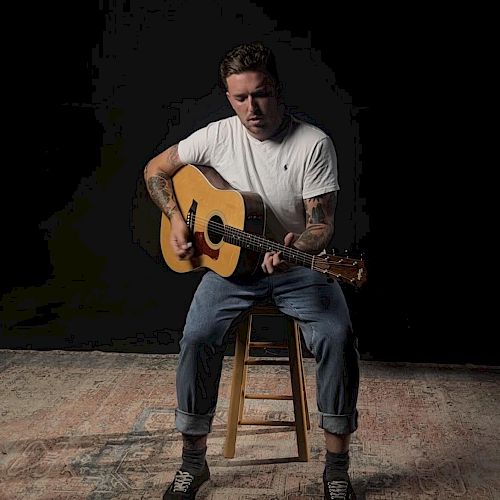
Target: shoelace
[(337, 489), (182, 481)]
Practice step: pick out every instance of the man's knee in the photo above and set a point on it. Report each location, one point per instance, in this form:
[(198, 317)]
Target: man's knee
[(194, 337), (203, 338)]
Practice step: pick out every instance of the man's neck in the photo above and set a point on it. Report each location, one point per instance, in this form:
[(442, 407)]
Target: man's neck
[(285, 120)]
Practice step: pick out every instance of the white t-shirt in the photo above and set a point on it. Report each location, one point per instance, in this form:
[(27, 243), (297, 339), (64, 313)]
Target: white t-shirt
[(298, 164)]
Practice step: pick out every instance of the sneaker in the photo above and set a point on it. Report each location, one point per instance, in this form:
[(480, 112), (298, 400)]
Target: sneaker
[(185, 485), (338, 489)]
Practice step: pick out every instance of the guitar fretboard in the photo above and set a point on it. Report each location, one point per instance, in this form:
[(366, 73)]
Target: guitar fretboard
[(260, 244)]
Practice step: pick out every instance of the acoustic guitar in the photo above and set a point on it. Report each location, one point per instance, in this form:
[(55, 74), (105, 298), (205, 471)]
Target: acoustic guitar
[(228, 231)]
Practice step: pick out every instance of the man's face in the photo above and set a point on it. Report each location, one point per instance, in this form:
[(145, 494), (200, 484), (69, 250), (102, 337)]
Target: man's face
[(253, 97)]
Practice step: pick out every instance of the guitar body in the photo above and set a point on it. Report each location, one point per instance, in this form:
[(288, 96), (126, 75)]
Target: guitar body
[(208, 203)]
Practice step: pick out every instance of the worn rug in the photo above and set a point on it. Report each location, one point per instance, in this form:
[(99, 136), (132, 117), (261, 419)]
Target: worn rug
[(94, 425)]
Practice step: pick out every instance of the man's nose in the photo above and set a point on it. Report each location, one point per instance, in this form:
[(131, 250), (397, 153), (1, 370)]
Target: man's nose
[(252, 104)]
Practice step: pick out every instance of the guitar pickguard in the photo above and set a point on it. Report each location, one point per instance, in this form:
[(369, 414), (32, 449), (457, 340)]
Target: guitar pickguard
[(202, 248)]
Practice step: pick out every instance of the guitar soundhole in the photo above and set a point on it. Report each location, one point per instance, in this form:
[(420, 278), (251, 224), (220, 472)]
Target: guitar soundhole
[(215, 229)]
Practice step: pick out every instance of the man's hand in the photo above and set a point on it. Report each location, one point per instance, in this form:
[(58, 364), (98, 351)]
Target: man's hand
[(179, 239), (273, 261), (158, 177)]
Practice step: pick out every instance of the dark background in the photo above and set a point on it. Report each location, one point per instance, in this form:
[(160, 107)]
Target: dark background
[(99, 88)]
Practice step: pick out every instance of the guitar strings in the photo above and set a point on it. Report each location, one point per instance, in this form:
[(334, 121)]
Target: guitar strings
[(257, 242)]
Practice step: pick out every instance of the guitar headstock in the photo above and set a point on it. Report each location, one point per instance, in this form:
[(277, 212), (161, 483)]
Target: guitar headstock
[(344, 269)]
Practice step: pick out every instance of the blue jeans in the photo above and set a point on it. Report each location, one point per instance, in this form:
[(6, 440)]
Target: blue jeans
[(321, 310)]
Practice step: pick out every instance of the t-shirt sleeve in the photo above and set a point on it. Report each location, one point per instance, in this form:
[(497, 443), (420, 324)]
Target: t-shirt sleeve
[(321, 170), (198, 148)]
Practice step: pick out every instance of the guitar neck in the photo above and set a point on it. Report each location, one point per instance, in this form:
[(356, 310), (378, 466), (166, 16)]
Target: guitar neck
[(261, 244), (342, 268)]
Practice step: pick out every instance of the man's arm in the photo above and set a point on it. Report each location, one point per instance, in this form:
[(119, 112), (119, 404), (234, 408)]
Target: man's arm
[(320, 213), (157, 174)]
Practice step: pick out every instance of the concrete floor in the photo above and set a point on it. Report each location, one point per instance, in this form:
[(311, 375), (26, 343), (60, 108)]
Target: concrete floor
[(96, 425)]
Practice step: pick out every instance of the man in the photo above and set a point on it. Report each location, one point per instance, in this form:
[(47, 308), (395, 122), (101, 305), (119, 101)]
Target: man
[(292, 165)]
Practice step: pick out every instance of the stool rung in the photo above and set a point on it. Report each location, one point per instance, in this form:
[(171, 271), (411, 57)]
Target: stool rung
[(275, 345), (267, 362), (278, 397), (267, 422)]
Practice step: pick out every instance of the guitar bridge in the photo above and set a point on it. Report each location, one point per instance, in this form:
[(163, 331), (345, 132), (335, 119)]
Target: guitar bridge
[(191, 216)]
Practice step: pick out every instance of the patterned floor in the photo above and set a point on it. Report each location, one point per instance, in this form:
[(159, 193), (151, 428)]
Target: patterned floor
[(95, 425)]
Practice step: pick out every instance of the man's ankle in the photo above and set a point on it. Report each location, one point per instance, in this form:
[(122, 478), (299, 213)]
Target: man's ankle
[(194, 451), (336, 466)]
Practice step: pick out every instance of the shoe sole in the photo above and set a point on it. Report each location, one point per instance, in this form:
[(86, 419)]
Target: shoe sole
[(203, 487)]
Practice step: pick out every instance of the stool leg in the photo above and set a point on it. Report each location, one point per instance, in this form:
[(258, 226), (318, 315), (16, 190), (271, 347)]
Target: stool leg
[(236, 388), (301, 366), (245, 368), (298, 393)]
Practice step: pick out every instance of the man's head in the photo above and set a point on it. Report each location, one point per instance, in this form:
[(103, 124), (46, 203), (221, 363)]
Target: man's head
[(249, 75), (249, 57)]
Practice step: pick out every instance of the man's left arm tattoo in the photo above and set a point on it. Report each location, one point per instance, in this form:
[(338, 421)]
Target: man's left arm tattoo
[(320, 212)]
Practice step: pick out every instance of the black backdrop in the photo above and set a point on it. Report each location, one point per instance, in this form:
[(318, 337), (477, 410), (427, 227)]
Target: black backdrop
[(99, 88)]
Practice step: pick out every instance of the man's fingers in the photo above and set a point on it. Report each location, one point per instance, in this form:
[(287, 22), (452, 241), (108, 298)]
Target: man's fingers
[(289, 239), (183, 250), (267, 263), (276, 259), (272, 261)]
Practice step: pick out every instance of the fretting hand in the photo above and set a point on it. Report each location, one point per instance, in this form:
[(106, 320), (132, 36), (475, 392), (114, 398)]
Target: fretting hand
[(272, 260)]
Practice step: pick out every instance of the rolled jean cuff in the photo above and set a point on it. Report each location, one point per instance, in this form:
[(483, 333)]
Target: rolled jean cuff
[(194, 425), (339, 424)]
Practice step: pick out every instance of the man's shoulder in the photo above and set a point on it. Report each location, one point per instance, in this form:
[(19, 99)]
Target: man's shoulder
[(229, 122), (308, 131), (215, 129), (219, 129)]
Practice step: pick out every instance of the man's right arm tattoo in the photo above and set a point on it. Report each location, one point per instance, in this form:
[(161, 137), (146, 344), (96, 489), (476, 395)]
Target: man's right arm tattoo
[(162, 192), (160, 185)]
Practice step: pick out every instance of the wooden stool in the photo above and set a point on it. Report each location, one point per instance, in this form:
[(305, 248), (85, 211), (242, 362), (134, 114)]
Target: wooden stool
[(242, 360)]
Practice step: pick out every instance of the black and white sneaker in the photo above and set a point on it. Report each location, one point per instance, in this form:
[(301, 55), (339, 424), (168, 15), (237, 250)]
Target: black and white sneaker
[(338, 489), (185, 486)]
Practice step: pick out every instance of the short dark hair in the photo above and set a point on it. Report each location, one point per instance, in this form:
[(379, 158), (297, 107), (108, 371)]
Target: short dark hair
[(249, 57)]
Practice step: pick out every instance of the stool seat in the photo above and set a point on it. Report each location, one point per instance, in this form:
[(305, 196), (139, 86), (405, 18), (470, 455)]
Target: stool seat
[(243, 359)]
